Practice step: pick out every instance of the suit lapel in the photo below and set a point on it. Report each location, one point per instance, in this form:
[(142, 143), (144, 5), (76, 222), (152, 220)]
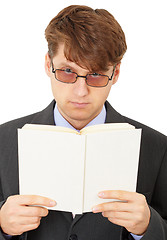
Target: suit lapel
[(112, 115), (46, 116)]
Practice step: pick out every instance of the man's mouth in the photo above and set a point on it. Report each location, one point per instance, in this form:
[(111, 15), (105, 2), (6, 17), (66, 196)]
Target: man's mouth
[(80, 104)]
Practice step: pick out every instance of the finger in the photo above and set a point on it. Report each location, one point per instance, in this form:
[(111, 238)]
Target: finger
[(120, 222), (113, 206), (30, 211), (24, 228), (35, 200), (30, 227), (118, 215), (29, 220), (119, 195)]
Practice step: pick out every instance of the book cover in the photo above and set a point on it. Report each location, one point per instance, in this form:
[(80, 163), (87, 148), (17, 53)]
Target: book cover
[(72, 167)]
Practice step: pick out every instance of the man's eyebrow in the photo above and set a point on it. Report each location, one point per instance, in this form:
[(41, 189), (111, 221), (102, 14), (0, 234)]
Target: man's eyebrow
[(67, 64), (70, 65)]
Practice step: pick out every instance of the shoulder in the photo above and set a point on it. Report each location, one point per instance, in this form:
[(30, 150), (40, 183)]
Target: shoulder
[(152, 140), (8, 130), (19, 122), (150, 132), (16, 123), (45, 116)]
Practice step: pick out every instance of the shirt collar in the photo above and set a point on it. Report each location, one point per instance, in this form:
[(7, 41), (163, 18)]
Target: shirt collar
[(61, 121)]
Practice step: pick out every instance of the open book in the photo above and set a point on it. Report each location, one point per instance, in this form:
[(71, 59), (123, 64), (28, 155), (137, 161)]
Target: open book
[(72, 167)]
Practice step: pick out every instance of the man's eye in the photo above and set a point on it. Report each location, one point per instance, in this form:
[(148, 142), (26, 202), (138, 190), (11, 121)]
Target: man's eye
[(67, 70), (95, 74)]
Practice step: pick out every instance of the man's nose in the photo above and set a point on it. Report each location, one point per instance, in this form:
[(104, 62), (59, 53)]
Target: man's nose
[(80, 86)]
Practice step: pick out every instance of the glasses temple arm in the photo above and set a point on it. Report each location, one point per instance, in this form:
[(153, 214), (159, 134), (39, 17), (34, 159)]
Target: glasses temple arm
[(113, 73), (53, 71)]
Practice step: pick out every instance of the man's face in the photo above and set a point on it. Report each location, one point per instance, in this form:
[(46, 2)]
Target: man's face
[(78, 103)]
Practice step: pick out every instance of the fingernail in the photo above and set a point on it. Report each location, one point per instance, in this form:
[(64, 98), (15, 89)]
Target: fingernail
[(101, 194), (95, 209), (53, 203)]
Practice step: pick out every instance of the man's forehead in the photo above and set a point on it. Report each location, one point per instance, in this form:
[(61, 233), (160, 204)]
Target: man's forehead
[(60, 59), (72, 65)]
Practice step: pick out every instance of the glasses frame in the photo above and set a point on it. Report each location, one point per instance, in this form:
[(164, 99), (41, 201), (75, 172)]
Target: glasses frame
[(77, 76)]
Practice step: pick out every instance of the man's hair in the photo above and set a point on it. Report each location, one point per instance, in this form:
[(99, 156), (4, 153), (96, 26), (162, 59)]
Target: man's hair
[(93, 38)]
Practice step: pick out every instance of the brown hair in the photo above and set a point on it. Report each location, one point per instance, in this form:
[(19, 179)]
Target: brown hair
[(93, 38)]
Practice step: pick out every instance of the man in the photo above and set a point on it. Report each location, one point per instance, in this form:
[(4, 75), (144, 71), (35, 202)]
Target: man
[(85, 48)]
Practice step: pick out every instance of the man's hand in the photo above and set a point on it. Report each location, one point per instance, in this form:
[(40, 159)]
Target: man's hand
[(132, 212), (18, 216)]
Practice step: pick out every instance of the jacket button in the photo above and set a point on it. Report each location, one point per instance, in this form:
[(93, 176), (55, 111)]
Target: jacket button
[(73, 237)]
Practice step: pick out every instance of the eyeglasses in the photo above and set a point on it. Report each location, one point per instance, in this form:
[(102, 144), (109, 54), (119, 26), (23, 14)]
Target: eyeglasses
[(93, 80)]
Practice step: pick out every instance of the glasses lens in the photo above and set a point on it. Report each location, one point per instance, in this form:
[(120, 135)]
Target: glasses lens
[(64, 76), (97, 80)]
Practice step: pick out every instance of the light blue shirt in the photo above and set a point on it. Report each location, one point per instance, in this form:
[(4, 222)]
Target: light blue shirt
[(100, 119)]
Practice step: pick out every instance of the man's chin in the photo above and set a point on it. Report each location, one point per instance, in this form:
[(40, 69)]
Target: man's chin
[(80, 117)]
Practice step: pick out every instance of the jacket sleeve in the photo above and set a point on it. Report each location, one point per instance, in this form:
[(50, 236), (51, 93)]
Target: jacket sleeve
[(157, 228), (158, 223)]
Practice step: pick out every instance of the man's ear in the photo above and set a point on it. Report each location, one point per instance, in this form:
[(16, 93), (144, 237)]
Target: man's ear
[(47, 64), (116, 73)]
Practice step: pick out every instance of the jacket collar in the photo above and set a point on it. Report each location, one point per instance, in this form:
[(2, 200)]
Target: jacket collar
[(112, 115), (46, 116)]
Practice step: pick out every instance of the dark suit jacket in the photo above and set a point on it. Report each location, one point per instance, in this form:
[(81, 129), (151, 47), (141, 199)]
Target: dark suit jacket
[(152, 182)]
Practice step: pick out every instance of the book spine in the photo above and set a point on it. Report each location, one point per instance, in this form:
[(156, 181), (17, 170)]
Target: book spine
[(84, 176)]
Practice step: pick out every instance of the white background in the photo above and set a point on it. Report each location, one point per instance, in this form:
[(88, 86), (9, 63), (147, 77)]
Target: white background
[(141, 90)]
